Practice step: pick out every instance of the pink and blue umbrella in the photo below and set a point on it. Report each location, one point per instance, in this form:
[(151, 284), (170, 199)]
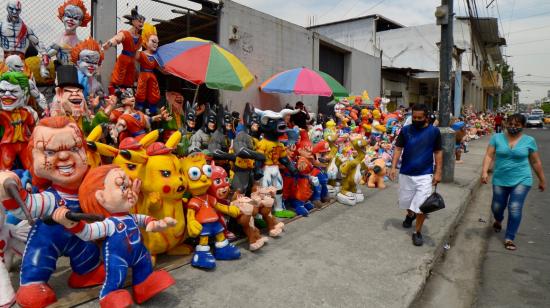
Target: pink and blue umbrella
[(304, 81)]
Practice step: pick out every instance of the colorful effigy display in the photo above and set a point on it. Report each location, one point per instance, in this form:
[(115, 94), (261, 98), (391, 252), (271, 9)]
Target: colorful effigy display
[(116, 178)]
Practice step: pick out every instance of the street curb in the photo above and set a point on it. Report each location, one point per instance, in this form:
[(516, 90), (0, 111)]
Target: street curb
[(473, 188)]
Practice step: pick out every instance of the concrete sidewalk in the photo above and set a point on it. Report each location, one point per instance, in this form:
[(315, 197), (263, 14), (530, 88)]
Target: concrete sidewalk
[(339, 257)]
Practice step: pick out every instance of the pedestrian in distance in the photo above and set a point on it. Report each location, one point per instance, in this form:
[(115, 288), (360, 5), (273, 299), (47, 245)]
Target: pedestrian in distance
[(419, 143), (513, 154)]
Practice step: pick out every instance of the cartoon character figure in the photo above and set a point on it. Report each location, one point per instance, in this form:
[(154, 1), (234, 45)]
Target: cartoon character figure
[(73, 14), (377, 128), (12, 242), (15, 36), (316, 134), (17, 121), (69, 100), (244, 147), (203, 214), (15, 64), (148, 93), (163, 189), (221, 140), (331, 137), (108, 191), (303, 181), (273, 126), (124, 72), (377, 174), (322, 158), (201, 138), (351, 169), (131, 122), (59, 165), (87, 56)]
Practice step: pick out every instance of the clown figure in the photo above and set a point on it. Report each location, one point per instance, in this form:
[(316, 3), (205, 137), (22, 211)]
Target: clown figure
[(18, 121), (73, 14), (87, 56)]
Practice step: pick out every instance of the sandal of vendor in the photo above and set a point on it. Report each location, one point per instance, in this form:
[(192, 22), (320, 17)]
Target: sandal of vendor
[(508, 244)]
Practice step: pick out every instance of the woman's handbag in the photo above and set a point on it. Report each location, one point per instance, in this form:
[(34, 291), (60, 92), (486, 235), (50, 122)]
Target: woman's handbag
[(434, 203)]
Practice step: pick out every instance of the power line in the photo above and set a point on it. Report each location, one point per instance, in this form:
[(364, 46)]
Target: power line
[(349, 10), (531, 28), (370, 8), (529, 42), (330, 9)]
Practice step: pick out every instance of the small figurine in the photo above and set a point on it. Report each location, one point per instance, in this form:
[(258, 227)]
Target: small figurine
[(73, 14), (124, 72), (108, 191), (148, 93), (18, 122), (377, 174), (15, 36), (203, 214), (351, 169), (59, 165), (377, 128)]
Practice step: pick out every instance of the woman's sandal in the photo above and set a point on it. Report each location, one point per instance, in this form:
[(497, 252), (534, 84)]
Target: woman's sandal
[(510, 245), (497, 226)]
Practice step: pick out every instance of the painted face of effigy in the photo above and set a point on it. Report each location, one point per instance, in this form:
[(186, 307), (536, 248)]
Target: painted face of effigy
[(14, 9), (72, 18), (88, 62), (12, 96)]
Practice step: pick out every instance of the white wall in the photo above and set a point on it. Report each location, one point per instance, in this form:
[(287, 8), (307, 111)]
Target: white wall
[(268, 45), (357, 34)]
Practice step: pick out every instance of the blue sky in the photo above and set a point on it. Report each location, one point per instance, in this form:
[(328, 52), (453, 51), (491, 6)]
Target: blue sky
[(524, 23)]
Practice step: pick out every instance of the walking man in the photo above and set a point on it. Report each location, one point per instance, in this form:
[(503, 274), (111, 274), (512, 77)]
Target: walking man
[(419, 143)]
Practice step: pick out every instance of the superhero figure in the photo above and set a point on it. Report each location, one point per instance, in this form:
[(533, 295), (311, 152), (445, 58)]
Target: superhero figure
[(203, 214), (148, 93), (244, 147), (220, 141), (201, 139), (59, 165), (108, 191), (273, 126), (15, 36), (124, 72), (17, 121)]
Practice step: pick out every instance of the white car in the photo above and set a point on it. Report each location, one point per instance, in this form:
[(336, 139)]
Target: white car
[(534, 121)]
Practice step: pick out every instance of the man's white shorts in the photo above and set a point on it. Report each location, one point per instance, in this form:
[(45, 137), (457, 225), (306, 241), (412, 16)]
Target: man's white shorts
[(414, 190)]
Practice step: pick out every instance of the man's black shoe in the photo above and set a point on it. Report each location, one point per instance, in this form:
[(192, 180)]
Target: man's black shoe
[(407, 223), (417, 239)]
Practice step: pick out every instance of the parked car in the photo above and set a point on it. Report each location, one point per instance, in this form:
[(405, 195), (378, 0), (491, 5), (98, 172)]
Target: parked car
[(534, 121)]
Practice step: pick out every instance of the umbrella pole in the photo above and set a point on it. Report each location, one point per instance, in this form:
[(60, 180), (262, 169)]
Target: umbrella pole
[(196, 94)]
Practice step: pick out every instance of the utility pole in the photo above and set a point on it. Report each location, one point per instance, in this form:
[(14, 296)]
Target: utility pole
[(444, 18)]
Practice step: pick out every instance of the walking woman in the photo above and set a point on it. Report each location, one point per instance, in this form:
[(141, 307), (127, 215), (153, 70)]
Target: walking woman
[(513, 154)]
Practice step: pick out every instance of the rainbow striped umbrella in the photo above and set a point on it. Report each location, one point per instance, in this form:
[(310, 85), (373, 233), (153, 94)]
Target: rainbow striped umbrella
[(304, 81), (204, 62)]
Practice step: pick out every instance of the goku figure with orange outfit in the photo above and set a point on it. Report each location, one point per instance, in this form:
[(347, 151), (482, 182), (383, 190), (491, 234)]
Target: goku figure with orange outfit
[(148, 93), (124, 72)]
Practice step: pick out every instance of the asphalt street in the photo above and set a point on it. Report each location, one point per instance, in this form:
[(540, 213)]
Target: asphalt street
[(522, 278)]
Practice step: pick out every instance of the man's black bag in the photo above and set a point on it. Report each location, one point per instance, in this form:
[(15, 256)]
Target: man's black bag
[(434, 203)]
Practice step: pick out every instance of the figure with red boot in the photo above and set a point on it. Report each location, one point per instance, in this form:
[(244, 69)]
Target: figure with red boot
[(59, 165)]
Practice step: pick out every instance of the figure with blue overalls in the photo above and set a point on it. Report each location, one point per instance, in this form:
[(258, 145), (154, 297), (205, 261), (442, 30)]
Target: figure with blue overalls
[(108, 191), (58, 167)]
